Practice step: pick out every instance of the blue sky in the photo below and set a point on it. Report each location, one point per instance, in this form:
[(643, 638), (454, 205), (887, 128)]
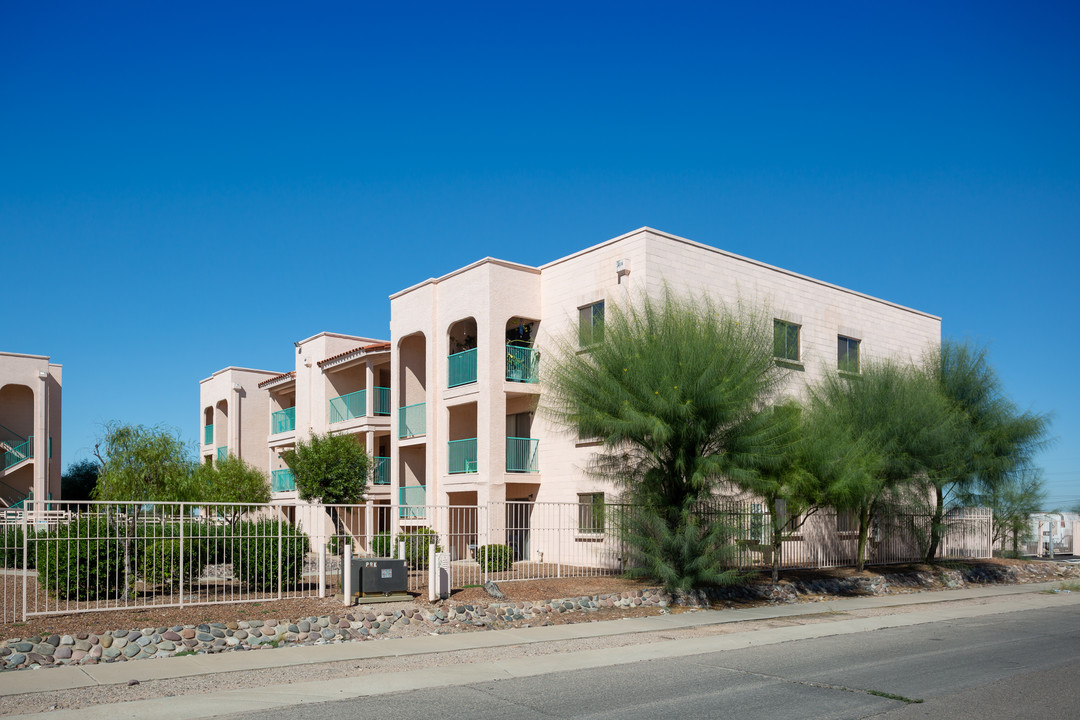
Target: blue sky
[(194, 185)]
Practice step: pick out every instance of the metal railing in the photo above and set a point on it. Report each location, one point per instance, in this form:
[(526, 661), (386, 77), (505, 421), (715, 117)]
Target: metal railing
[(222, 453), (522, 455), (412, 420), (208, 435), (283, 421), (412, 501), (380, 474), (348, 407), (381, 401), (522, 364), (462, 368), (282, 480), (18, 453), (462, 454)]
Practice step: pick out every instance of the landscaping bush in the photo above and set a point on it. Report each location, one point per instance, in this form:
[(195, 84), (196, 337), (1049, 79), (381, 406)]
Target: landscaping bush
[(218, 542), (381, 545), (255, 555), (165, 560), (81, 560), (495, 558), (11, 548), (416, 542)]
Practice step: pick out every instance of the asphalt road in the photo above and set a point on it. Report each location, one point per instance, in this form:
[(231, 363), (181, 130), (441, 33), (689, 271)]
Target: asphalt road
[(1016, 665)]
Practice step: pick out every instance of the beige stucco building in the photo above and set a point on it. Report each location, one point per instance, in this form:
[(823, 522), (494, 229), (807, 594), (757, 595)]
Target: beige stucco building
[(30, 407)]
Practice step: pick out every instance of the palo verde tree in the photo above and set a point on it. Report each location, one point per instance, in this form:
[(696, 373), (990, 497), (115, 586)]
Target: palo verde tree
[(332, 469), (899, 428), (672, 388), (994, 442)]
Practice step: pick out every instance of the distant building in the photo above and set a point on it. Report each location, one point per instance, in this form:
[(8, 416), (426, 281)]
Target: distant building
[(30, 407)]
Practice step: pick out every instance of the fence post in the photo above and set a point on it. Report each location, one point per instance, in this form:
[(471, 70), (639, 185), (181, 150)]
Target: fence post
[(346, 576), (369, 521), (26, 545), (181, 554), (280, 564)]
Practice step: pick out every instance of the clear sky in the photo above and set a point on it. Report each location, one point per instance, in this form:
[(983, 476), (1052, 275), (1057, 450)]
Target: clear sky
[(186, 186)]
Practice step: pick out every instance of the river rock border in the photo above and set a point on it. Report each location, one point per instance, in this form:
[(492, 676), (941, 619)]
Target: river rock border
[(363, 623)]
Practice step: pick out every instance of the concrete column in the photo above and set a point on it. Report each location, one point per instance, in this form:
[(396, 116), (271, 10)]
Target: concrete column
[(369, 395), (41, 439), (234, 421)]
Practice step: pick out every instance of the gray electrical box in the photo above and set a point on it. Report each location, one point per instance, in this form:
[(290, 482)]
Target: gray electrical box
[(378, 576)]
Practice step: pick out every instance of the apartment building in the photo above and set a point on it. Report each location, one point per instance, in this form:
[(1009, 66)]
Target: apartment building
[(467, 348), (30, 414)]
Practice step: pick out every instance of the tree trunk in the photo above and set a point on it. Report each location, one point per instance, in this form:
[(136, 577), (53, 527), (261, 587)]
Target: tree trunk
[(777, 541), (864, 532), (936, 525)]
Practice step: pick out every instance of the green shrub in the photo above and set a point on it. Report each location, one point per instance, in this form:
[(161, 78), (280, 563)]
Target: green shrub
[(416, 542), (218, 542), (495, 558), (381, 545), (81, 560), (165, 560), (256, 560), (11, 548)]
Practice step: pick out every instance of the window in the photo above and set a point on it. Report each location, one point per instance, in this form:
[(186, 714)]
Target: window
[(590, 517), (847, 521), (760, 523), (591, 324), (785, 341), (847, 354)]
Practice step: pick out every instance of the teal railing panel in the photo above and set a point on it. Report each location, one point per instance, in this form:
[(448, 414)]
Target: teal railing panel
[(18, 453), (381, 401), (462, 368), (380, 474), (413, 501), (282, 480), (348, 407), (412, 420), (222, 453), (522, 364), (208, 435), (283, 421), (462, 456), (522, 454)]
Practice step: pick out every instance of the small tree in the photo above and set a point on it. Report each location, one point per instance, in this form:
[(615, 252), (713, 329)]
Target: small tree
[(233, 481), (144, 464), (79, 481), (1014, 499), (673, 389), (332, 469)]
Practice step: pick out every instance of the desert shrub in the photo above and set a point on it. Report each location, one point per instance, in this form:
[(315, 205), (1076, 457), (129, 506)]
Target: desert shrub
[(218, 542), (81, 560), (163, 561), (11, 548), (416, 542), (257, 561), (495, 558), (381, 545)]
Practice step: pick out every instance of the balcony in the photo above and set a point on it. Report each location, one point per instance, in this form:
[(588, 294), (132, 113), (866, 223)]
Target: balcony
[(208, 435), (462, 456), (380, 474), (348, 407), (222, 453), (522, 364), (381, 404), (282, 480), (18, 453), (462, 368), (283, 421), (413, 502), (522, 455), (412, 420)]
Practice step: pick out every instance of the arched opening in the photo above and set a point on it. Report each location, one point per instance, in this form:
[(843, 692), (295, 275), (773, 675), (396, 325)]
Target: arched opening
[(16, 443), (221, 429), (208, 426), (461, 352), (412, 385), (522, 357)]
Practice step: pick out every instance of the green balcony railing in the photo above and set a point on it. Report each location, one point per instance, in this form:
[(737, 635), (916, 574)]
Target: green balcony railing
[(462, 456), (19, 452), (222, 453), (380, 474), (208, 435), (282, 480), (283, 421), (381, 401), (522, 455), (412, 420), (522, 364), (462, 368), (348, 407), (413, 501)]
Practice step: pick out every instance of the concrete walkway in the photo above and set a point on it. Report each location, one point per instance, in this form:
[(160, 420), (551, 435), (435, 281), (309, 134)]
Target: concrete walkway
[(213, 704)]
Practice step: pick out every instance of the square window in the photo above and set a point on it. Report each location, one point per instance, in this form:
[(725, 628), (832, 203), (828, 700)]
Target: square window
[(847, 354), (785, 340), (591, 513), (591, 324)]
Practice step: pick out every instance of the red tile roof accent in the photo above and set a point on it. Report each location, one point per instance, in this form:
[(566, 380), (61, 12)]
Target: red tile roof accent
[(366, 348), (291, 373)]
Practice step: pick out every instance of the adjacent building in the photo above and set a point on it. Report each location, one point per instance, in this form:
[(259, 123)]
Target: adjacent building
[(30, 406)]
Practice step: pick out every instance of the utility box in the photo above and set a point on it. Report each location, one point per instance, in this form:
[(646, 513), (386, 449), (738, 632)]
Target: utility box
[(378, 576)]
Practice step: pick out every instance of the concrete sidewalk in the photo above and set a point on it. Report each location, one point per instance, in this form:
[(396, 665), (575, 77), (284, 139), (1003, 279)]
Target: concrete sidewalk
[(52, 679)]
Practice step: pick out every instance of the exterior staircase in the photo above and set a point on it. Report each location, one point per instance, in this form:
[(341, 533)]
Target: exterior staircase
[(15, 450)]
